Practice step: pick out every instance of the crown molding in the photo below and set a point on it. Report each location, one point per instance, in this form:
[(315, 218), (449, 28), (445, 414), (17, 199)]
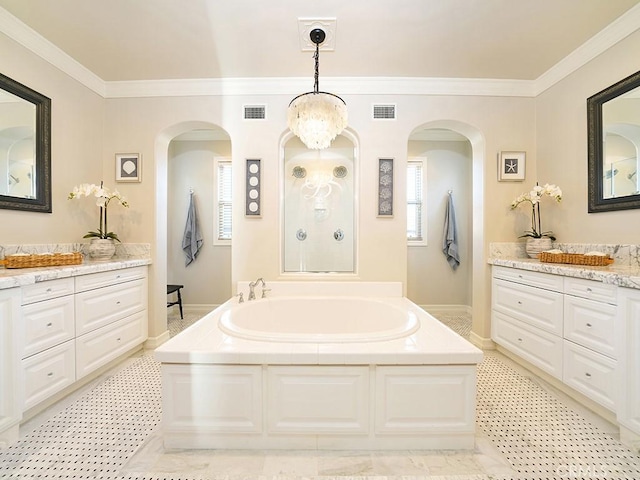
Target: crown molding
[(344, 85), (613, 33), (609, 36), (32, 40)]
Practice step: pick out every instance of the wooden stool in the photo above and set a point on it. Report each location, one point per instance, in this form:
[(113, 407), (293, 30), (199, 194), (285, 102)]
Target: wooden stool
[(175, 288)]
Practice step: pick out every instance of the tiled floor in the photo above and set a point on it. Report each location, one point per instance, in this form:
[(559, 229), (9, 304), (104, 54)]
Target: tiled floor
[(525, 430)]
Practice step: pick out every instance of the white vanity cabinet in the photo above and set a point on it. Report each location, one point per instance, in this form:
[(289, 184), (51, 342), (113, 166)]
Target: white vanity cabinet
[(564, 326), (526, 318), (111, 316), (629, 362), (590, 343), (47, 347), (10, 408)]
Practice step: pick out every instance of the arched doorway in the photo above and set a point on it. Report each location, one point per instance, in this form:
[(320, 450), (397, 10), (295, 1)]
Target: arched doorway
[(479, 271), (158, 332)]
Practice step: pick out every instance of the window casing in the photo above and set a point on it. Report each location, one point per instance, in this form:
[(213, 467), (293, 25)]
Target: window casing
[(223, 201), (416, 208)]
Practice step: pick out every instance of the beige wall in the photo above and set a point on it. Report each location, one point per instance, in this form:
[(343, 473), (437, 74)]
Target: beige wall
[(207, 280), (431, 281), (88, 131), (77, 116), (561, 127)]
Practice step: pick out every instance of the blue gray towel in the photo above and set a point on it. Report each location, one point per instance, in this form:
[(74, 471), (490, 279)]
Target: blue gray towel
[(450, 236), (192, 239)]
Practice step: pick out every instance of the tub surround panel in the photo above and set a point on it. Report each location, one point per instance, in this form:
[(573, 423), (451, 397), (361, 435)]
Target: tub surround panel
[(417, 391)]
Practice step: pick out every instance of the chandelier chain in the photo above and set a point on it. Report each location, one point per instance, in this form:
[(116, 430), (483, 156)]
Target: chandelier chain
[(316, 83)]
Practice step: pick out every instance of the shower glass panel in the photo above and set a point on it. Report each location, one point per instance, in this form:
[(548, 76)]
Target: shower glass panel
[(319, 208)]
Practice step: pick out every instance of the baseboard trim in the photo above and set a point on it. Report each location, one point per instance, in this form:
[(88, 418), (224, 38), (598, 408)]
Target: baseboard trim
[(482, 343), (450, 309), (151, 343)]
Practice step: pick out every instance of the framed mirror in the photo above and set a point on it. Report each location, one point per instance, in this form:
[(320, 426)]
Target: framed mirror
[(25, 148), (613, 121)]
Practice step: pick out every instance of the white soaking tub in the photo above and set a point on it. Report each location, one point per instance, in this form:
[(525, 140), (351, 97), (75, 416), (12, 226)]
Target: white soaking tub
[(319, 365)]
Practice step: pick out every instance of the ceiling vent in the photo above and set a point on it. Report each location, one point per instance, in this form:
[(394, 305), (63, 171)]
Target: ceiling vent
[(384, 112), (255, 112)]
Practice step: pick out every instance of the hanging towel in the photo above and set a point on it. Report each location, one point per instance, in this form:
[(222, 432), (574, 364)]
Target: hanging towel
[(191, 240), (450, 235)]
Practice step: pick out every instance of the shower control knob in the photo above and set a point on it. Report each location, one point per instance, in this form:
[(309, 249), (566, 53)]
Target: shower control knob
[(301, 235), (338, 234)]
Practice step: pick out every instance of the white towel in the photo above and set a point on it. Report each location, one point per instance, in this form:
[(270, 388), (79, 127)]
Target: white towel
[(450, 236), (191, 240)]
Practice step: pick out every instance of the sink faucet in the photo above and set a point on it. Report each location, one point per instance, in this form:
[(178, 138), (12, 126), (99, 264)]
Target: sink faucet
[(252, 286)]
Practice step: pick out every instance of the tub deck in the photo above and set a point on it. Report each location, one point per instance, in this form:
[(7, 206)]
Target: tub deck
[(416, 392)]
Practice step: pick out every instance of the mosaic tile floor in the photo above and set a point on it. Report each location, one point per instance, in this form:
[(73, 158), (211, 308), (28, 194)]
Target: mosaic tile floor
[(525, 431)]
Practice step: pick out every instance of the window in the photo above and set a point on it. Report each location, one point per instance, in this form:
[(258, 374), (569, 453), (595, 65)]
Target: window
[(223, 197), (416, 210)]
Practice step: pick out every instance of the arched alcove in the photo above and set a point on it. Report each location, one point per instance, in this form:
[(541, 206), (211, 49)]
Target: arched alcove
[(158, 272), (479, 270)]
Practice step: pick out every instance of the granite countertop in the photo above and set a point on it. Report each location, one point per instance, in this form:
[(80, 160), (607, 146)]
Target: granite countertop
[(17, 277), (621, 275)]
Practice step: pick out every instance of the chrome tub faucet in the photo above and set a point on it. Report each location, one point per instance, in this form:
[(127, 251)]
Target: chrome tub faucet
[(253, 285)]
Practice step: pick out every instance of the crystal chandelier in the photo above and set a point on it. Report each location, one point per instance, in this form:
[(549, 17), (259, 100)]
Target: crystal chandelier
[(317, 117)]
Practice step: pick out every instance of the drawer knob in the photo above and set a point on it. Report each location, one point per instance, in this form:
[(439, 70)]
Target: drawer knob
[(49, 325), (519, 302), (587, 374), (49, 290), (589, 289), (588, 325), (520, 340), (50, 374), (118, 339)]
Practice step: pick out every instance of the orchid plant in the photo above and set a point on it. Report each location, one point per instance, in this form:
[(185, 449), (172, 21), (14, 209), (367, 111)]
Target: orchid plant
[(103, 197), (534, 197)]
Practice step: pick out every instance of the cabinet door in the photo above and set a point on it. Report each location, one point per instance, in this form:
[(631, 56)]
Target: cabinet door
[(97, 308), (629, 358), (535, 306), (590, 373), (48, 372), (591, 324), (542, 349), (10, 376), (100, 346), (47, 324)]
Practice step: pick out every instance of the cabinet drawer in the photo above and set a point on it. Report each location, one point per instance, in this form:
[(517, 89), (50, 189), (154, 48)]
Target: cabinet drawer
[(103, 279), (47, 373), (96, 308), (591, 374), (46, 324), (601, 292), (534, 279), (535, 306), (47, 290), (591, 324), (99, 347), (540, 348)]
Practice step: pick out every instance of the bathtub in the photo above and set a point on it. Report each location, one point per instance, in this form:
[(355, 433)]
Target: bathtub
[(319, 365)]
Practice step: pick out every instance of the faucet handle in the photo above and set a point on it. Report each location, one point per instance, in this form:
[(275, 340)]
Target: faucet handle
[(240, 297), (264, 292)]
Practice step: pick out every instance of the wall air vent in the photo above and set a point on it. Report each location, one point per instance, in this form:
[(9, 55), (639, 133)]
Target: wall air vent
[(384, 112), (255, 112)]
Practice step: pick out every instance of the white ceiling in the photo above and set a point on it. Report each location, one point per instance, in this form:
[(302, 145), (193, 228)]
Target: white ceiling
[(121, 40)]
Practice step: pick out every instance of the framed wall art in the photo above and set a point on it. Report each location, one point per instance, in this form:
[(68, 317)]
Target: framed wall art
[(511, 166), (253, 188), (385, 187), (128, 167)]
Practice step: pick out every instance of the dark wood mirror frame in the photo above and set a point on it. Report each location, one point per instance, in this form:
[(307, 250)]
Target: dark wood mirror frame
[(597, 202), (42, 200)]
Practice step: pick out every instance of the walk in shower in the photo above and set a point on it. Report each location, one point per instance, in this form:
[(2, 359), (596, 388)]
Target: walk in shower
[(319, 205)]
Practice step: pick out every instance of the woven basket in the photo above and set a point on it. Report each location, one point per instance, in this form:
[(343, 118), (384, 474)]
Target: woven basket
[(576, 259), (42, 260)]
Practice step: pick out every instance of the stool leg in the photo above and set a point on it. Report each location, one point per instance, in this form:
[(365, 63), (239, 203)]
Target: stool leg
[(180, 304)]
